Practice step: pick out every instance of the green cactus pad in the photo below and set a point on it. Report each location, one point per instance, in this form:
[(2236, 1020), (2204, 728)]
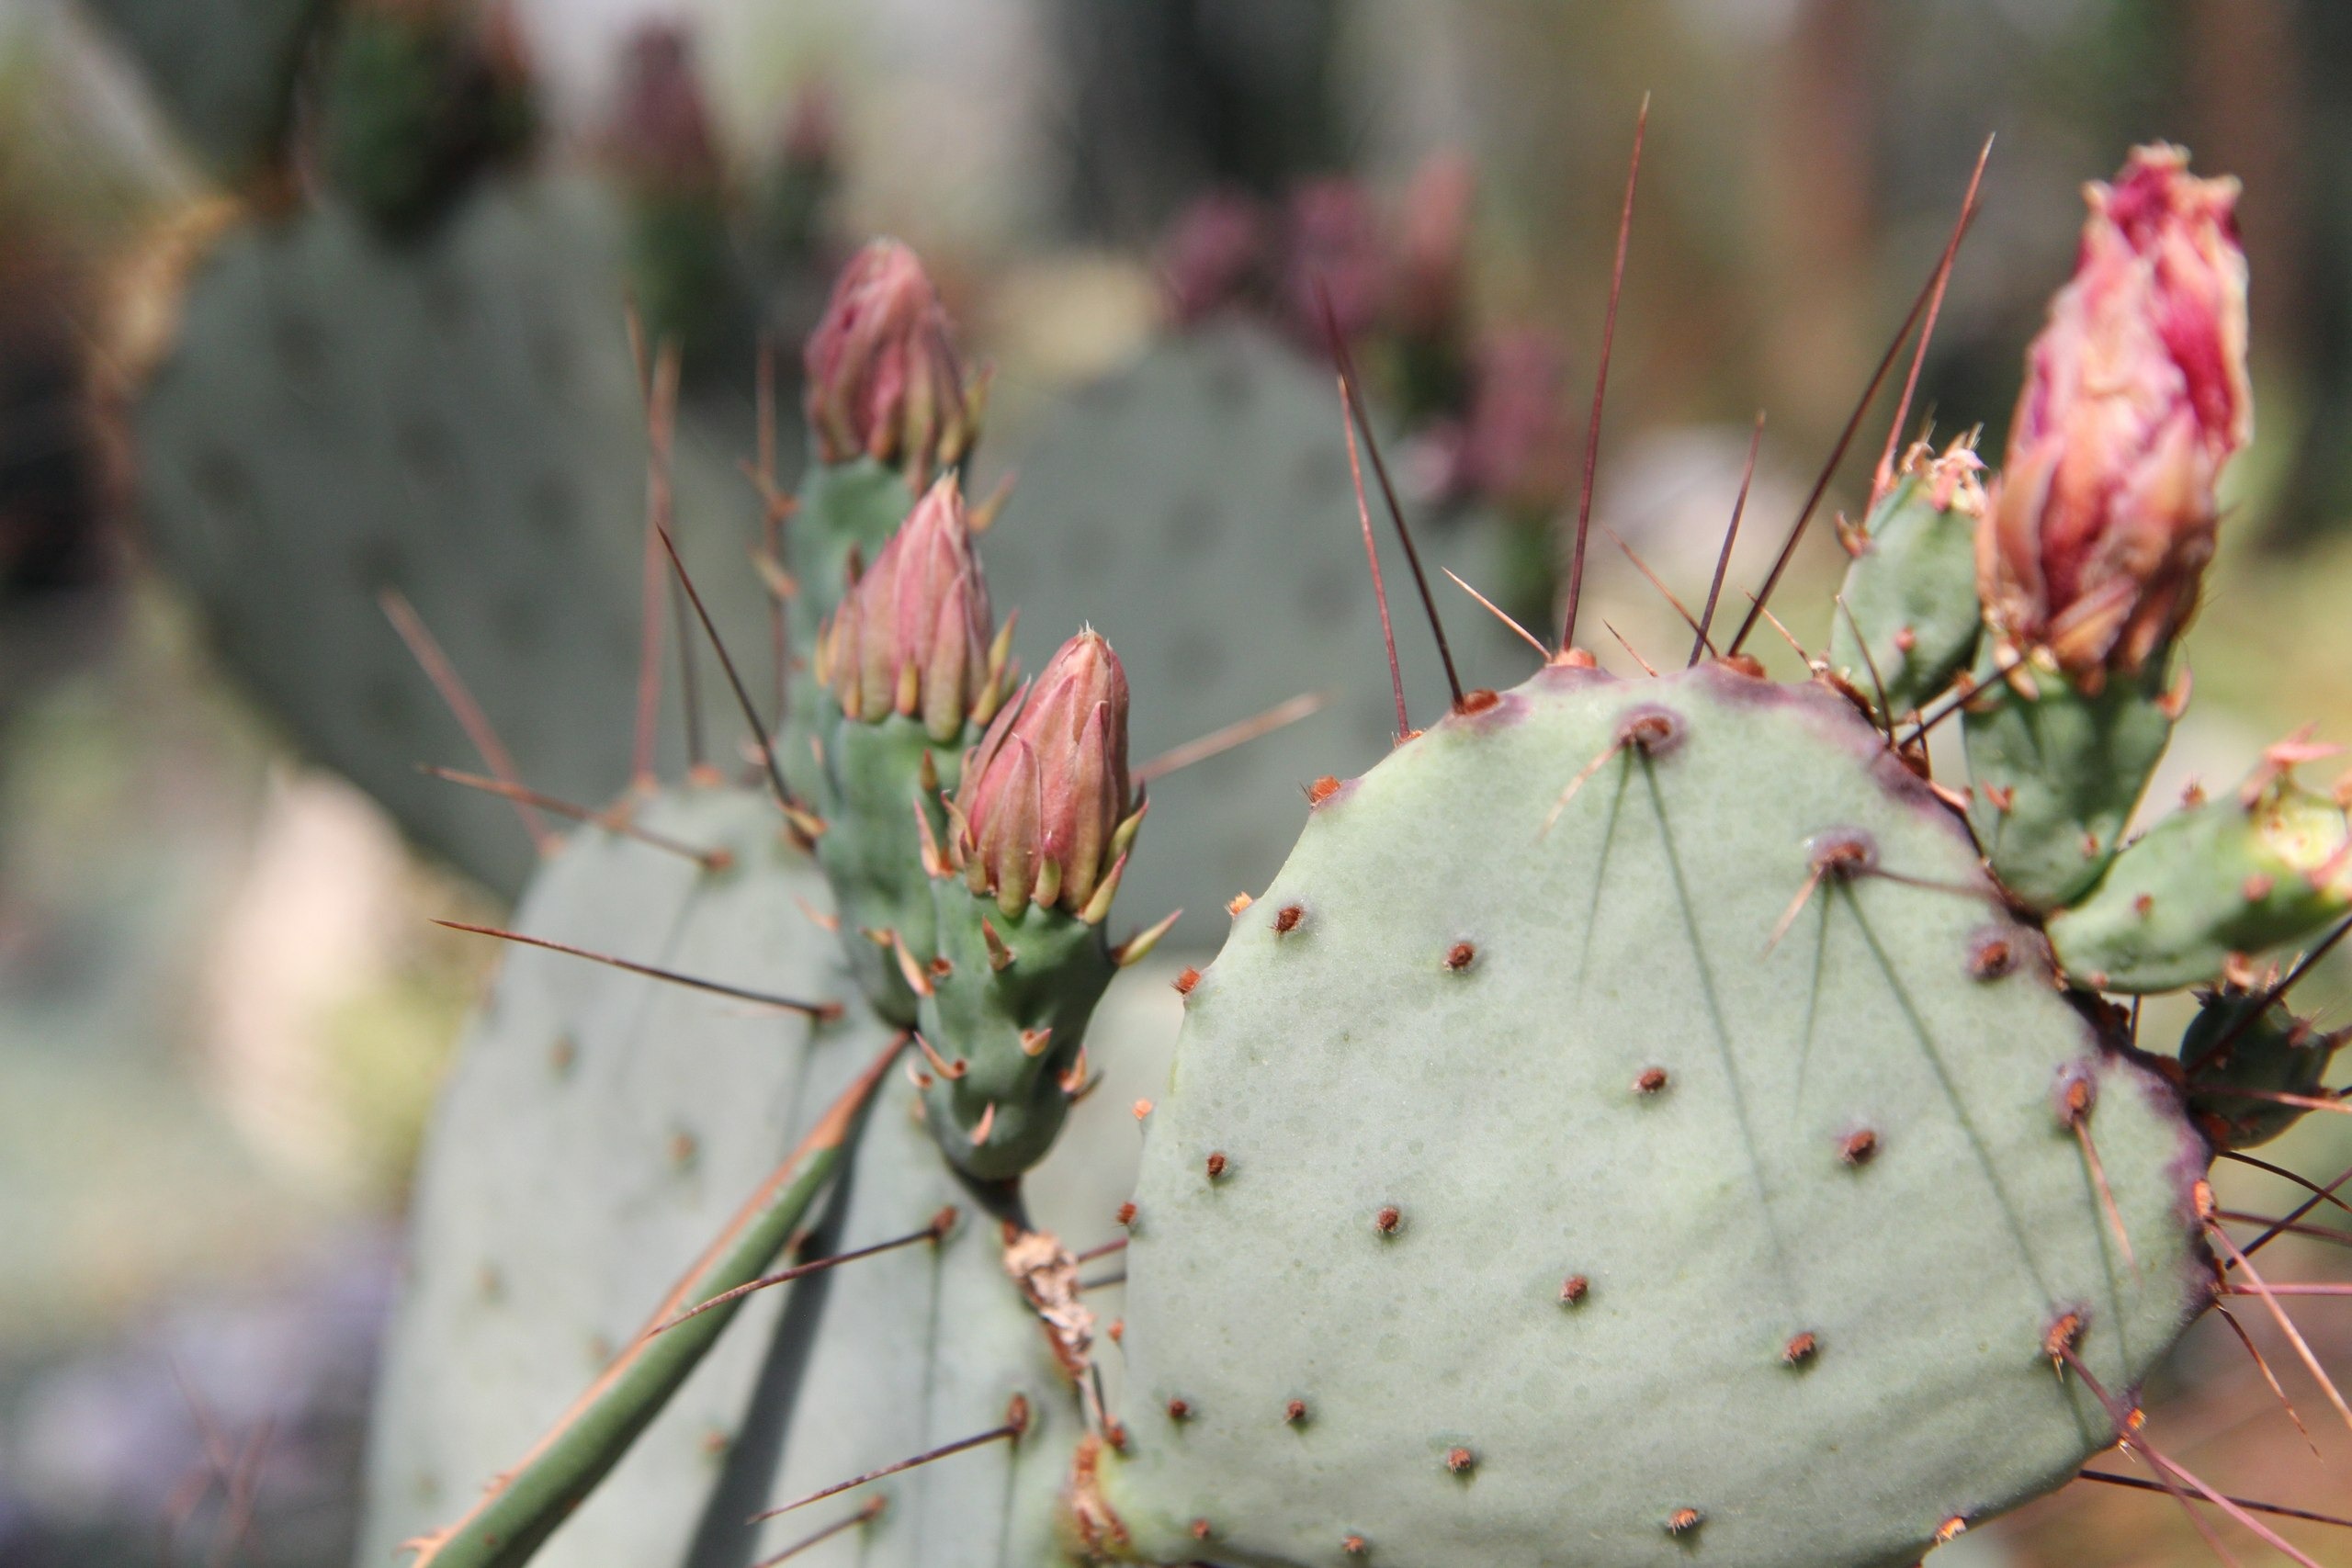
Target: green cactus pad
[(2210, 882), (891, 1357), (599, 1129), (225, 73), (1196, 509), (2057, 773), (1603, 1230), (1909, 617), (2227, 1051), (456, 418)]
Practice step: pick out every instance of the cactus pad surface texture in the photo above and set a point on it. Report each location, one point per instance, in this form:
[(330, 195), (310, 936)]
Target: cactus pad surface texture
[(453, 417), (1605, 1227)]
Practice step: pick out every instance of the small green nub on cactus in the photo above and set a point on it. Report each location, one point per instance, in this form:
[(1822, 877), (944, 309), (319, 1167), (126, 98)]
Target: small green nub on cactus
[(2101, 522), (2234, 1062), (884, 379), (2209, 887), (1045, 803), (1909, 617), (913, 637)]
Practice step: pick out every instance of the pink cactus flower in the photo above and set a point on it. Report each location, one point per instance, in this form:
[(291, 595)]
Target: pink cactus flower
[(2136, 395), (1214, 256)]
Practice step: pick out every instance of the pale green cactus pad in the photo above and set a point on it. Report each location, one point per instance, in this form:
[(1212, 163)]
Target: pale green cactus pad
[(225, 73), (1587, 1224), (598, 1129), (456, 418)]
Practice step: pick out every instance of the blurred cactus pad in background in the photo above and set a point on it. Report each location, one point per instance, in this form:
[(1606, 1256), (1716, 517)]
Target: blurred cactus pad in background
[(1218, 861)]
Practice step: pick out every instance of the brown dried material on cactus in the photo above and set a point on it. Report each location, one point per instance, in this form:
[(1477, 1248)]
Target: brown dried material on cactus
[(1047, 1275)]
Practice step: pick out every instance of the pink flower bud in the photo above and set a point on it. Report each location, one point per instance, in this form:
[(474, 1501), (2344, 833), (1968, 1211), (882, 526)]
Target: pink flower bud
[(2135, 397), (659, 131), (1044, 804), (1434, 247), (911, 636), (1214, 256), (884, 379)]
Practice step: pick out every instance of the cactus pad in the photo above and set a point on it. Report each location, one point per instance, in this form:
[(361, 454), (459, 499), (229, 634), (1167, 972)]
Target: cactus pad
[(1604, 1229), (1195, 507), (455, 417), (598, 1129)]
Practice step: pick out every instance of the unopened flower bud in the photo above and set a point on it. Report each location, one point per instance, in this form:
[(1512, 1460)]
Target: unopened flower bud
[(2136, 395), (1044, 806), (911, 635), (884, 379), (660, 132)]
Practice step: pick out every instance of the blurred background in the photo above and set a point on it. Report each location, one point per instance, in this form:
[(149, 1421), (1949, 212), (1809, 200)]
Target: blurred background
[(305, 299)]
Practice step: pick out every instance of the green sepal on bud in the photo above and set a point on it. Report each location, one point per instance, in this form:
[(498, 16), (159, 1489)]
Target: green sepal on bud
[(2056, 770), (2232, 1061), (1909, 616), (1040, 825), (2213, 885)]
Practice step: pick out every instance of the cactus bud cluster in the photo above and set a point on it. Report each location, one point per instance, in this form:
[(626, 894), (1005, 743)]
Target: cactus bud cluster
[(912, 636), (1045, 809), (2135, 397), (885, 381)]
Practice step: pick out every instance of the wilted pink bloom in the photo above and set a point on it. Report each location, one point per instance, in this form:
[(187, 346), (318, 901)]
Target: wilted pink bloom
[(1044, 802), (884, 379), (2136, 396), (659, 129), (1335, 245), (1214, 256), (911, 636)]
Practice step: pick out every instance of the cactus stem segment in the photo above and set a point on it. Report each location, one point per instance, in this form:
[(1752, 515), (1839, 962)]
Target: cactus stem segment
[(1600, 380), (822, 1012), (1730, 536), (1016, 1424), (2302, 967), (613, 821), (462, 708)]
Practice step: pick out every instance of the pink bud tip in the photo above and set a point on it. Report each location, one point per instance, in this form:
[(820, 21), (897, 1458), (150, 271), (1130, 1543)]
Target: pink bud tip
[(911, 636), (884, 379), (2136, 395), (1045, 797)]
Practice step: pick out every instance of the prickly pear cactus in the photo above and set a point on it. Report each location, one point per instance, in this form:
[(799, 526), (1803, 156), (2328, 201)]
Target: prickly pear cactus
[(455, 417), (1230, 585), (1659, 1141), (598, 1129)]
